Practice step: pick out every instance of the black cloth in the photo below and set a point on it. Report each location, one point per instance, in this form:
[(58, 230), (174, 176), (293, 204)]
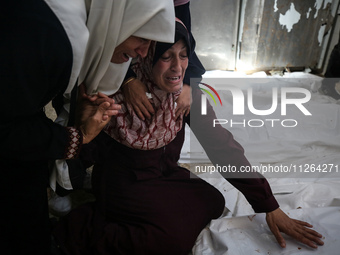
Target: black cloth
[(332, 72), (333, 67), (145, 204), (181, 33), (36, 62), (195, 68)]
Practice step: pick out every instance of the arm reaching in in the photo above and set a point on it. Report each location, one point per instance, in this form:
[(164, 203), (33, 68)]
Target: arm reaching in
[(183, 101), (223, 150), (134, 93)]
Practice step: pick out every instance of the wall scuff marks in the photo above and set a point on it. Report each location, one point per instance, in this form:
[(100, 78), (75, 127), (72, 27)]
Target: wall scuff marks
[(308, 12), (262, 34), (291, 33), (290, 18), (321, 4)]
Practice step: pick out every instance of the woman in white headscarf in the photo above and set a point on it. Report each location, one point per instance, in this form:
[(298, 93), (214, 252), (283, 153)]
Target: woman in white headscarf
[(119, 31), (110, 23), (43, 45)]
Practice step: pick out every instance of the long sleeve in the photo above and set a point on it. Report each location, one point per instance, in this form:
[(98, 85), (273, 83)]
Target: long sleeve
[(74, 170), (223, 150), (36, 61)]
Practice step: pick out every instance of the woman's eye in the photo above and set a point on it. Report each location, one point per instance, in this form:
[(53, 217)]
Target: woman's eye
[(165, 58), (184, 56), (144, 40)]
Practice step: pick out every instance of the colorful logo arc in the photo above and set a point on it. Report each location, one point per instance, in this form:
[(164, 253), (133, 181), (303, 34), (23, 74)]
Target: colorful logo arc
[(209, 93)]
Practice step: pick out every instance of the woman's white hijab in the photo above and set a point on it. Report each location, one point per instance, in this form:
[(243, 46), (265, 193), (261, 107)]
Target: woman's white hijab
[(111, 22)]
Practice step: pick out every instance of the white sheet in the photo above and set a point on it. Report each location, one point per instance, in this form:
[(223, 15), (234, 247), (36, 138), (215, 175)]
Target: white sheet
[(316, 140), (250, 235)]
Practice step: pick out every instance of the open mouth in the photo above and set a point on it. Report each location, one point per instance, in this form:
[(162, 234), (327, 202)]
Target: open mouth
[(126, 57), (174, 78)]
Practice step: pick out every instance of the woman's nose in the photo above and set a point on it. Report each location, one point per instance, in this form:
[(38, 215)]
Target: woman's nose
[(176, 64), (143, 49)]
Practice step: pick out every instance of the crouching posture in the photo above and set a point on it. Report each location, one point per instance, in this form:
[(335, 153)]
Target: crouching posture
[(145, 202)]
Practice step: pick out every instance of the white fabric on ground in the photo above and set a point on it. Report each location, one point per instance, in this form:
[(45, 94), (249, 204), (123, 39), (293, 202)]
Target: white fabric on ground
[(315, 140)]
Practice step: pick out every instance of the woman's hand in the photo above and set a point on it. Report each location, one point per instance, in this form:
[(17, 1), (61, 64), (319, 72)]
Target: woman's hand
[(93, 113), (278, 222), (183, 102), (134, 93)]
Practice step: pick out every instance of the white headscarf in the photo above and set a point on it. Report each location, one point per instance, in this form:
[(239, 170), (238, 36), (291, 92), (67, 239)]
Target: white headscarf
[(72, 15), (110, 22)]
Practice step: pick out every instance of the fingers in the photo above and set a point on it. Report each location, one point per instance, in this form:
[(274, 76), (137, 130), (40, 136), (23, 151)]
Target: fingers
[(110, 113), (143, 108), (303, 223), (83, 95), (304, 234), (141, 111), (102, 115), (187, 112), (178, 112), (183, 102), (276, 232), (134, 94), (105, 117), (148, 106), (278, 222), (112, 110), (181, 110), (99, 96), (100, 100), (94, 123), (94, 112), (82, 90), (311, 240), (308, 239), (315, 236)]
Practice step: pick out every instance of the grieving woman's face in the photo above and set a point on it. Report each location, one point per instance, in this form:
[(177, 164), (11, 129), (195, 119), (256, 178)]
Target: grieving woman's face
[(169, 70), (130, 48)]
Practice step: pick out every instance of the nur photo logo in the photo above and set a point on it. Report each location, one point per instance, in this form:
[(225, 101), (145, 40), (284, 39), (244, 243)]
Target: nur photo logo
[(204, 97), (243, 100)]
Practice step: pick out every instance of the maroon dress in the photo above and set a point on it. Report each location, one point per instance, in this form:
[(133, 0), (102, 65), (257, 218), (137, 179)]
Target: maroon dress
[(147, 204)]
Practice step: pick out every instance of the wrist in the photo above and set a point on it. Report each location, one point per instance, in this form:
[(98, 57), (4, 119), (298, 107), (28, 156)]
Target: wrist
[(74, 142), (128, 81), (86, 137)]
